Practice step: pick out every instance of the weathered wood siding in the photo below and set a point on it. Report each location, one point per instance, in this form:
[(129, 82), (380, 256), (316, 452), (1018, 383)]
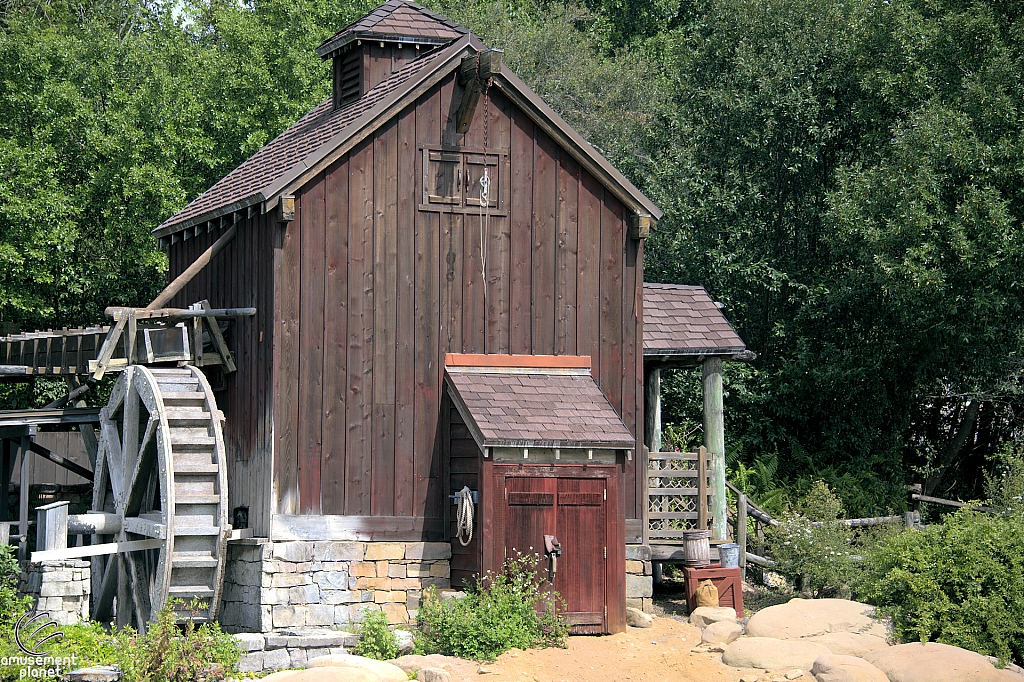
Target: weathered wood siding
[(368, 306), (242, 275), (340, 372)]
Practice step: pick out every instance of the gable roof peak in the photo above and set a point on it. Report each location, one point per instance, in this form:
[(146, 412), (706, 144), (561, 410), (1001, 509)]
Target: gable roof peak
[(401, 21)]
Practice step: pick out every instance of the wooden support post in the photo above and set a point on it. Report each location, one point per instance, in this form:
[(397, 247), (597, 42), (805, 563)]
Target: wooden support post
[(741, 532), (702, 488), (656, 570), (227, 361), (52, 526), (6, 465), (24, 484), (652, 411), (714, 440)]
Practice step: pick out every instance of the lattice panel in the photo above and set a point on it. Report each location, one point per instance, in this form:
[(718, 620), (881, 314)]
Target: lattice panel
[(672, 480)]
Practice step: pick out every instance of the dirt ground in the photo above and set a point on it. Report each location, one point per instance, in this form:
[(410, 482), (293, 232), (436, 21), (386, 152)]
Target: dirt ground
[(661, 652), (653, 654)]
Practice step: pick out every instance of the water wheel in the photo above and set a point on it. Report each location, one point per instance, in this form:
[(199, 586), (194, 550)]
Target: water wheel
[(161, 483)]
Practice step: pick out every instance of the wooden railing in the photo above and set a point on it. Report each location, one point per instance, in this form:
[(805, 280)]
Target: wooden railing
[(678, 490)]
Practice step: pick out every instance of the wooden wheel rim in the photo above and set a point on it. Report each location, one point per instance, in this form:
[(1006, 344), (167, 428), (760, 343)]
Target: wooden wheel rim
[(160, 469)]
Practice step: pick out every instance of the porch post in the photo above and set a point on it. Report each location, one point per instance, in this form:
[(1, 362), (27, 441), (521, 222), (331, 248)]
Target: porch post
[(714, 441), (652, 411)]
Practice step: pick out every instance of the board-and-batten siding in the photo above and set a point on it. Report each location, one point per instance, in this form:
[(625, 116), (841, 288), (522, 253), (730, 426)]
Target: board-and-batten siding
[(357, 311), (367, 309), (242, 275)]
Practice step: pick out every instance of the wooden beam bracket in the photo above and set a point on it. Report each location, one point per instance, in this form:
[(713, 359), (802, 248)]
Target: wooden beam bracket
[(286, 209), (640, 225)]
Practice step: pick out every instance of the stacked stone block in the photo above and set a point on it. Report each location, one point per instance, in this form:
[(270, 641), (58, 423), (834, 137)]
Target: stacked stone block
[(639, 578), (290, 649), (300, 584), (60, 588)]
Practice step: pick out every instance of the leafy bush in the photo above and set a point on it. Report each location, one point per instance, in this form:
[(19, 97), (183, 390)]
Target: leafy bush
[(375, 638), (811, 543), (88, 644), (11, 605), (500, 613), (1005, 486), (169, 652), (960, 582)]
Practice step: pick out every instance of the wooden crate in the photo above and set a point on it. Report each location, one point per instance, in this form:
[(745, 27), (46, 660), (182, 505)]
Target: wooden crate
[(726, 580)]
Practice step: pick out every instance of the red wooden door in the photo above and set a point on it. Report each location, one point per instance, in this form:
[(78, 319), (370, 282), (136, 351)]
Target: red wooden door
[(573, 510), (530, 515), (582, 575)]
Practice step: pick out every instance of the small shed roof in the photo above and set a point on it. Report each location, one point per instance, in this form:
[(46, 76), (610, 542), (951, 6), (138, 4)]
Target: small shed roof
[(549, 407), (683, 321), (395, 21)]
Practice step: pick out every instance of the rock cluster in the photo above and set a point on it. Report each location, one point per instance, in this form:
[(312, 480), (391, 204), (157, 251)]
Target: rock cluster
[(837, 640)]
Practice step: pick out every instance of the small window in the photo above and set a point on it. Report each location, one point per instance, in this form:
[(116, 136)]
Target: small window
[(443, 177), (478, 167), (452, 180)]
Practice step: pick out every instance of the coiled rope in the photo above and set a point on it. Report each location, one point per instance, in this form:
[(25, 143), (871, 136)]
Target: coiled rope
[(464, 516)]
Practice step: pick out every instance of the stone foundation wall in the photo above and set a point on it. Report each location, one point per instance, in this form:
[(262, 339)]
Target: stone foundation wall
[(290, 650), (272, 586), (61, 588), (639, 578)]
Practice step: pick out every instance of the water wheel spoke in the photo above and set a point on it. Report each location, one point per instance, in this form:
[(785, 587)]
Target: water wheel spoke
[(112, 454), (104, 606), (139, 579), (145, 463)]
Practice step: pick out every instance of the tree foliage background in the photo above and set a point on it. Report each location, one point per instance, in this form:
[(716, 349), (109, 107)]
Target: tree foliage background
[(845, 177)]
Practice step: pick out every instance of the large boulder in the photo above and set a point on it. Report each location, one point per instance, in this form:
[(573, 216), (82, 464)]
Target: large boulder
[(414, 662), (635, 618), (933, 662), (850, 643), (721, 633), (336, 674), (385, 671), (772, 654), (835, 668), (801, 618), (703, 616)]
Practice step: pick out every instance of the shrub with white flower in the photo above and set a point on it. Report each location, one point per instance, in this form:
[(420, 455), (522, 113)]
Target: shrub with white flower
[(812, 541)]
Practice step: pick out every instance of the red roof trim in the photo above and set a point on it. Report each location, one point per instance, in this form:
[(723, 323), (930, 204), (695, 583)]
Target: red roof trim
[(502, 360)]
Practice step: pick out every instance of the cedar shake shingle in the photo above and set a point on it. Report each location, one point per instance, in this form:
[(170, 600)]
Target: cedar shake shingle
[(395, 20), (289, 148), (683, 320), (537, 409)]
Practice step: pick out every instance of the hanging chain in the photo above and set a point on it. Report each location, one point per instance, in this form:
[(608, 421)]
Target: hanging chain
[(485, 192)]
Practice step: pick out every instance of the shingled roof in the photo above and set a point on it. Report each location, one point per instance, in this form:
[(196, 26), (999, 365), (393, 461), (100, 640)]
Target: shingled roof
[(395, 21), (299, 147), (536, 407), (683, 320), (324, 135)]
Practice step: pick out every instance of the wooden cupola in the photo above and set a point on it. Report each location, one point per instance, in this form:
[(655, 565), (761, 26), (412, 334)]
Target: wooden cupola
[(370, 50)]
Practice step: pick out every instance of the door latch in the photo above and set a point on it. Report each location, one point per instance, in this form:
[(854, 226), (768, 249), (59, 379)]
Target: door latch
[(553, 548)]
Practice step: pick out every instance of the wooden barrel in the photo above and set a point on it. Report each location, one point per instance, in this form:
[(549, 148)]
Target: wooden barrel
[(697, 548)]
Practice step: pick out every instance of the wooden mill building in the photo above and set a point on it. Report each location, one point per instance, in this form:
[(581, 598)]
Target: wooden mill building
[(449, 291)]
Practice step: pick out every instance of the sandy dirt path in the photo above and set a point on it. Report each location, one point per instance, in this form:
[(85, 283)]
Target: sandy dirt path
[(654, 654)]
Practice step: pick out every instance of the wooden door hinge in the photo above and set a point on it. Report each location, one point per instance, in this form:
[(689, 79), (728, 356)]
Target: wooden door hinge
[(605, 552), (606, 493)]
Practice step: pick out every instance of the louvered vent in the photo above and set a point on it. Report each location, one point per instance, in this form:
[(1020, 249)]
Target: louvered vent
[(348, 77)]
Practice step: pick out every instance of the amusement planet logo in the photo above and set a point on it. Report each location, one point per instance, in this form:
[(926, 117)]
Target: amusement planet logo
[(37, 663)]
